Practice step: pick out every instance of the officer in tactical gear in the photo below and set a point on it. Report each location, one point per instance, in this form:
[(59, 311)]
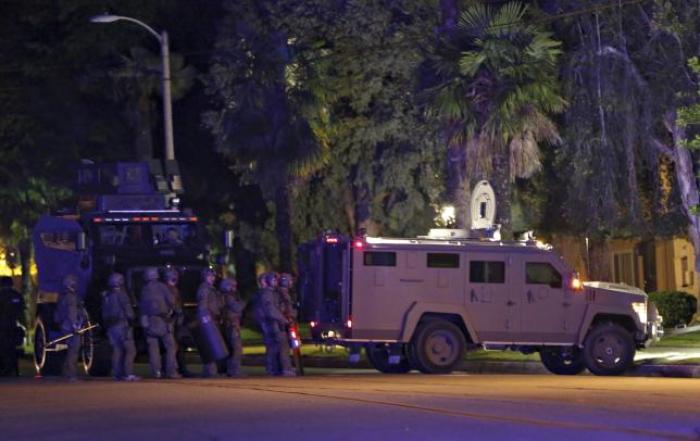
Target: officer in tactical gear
[(209, 303), (286, 282), (157, 308), (118, 316), (182, 334), (11, 312), (233, 310), (70, 317), (273, 324)]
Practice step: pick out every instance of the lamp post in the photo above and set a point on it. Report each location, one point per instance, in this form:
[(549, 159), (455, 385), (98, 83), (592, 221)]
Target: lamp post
[(165, 57)]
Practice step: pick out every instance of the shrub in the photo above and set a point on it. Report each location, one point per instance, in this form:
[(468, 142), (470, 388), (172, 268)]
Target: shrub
[(676, 307)]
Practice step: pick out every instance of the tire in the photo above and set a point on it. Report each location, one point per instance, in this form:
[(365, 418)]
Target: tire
[(46, 361), (437, 347), (562, 360), (608, 349), (95, 351), (378, 356)]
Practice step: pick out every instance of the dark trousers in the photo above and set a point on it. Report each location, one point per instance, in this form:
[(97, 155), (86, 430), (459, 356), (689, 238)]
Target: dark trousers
[(123, 350), (70, 365), (232, 335), (8, 356)]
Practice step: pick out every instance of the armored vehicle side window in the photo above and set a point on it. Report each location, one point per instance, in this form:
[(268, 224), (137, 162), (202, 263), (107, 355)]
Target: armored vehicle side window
[(537, 273), (379, 258), (487, 272), (443, 260), (59, 240), (121, 235)]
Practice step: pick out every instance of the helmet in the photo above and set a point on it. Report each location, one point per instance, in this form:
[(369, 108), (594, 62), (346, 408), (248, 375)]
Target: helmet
[(115, 280), (286, 280), (206, 272), (70, 282), (227, 285), (171, 275), (261, 280), (268, 279), (150, 273)]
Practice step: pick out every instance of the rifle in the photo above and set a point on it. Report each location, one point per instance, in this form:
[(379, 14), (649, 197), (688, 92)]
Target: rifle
[(67, 336)]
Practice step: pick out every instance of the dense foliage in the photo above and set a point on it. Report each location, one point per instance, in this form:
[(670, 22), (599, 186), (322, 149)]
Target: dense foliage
[(295, 116), (676, 307)]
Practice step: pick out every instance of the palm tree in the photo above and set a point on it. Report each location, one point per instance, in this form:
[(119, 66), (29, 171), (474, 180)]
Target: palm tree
[(137, 81), (497, 87)]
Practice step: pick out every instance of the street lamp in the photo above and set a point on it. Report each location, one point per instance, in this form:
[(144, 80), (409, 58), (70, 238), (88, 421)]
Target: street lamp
[(165, 56)]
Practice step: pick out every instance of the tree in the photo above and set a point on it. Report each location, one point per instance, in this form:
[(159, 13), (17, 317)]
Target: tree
[(621, 162), (384, 175), (495, 89), (23, 200), (257, 122)]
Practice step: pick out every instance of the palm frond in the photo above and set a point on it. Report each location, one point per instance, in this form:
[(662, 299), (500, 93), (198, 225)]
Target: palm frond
[(507, 19)]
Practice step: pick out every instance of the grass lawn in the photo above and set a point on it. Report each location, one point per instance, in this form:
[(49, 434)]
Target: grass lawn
[(690, 340), (501, 356)]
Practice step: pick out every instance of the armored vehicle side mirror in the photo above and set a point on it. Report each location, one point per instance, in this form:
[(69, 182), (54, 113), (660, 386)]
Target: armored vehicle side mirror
[(81, 242), (228, 239)]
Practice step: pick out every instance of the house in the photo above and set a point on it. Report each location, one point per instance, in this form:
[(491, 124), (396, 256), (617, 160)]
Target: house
[(658, 264)]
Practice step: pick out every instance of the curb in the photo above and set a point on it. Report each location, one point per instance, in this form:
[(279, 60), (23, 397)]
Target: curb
[(502, 367), (666, 370), (509, 367)]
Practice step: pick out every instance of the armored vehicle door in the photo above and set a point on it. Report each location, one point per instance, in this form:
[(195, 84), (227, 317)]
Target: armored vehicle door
[(323, 280), (385, 283), (54, 240), (549, 308), (490, 297)]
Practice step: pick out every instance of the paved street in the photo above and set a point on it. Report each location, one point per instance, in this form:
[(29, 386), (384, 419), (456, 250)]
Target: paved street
[(353, 405)]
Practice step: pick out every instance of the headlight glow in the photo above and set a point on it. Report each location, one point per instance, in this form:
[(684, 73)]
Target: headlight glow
[(640, 308)]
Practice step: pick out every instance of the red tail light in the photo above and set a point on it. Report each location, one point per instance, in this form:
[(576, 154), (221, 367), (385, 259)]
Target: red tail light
[(359, 244)]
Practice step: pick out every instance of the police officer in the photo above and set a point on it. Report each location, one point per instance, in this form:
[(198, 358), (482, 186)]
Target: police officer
[(273, 324), (233, 309), (11, 312), (286, 282), (182, 334), (70, 317), (157, 308), (117, 315), (209, 302)]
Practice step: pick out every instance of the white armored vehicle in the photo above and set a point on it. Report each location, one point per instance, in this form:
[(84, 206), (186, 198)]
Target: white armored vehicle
[(422, 303)]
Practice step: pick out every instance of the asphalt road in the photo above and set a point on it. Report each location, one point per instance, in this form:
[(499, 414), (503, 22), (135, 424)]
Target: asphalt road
[(353, 405)]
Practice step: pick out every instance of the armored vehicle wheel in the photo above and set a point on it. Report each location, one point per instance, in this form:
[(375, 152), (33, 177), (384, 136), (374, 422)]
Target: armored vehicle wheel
[(47, 361), (437, 347), (608, 349), (95, 352), (378, 356), (562, 360)]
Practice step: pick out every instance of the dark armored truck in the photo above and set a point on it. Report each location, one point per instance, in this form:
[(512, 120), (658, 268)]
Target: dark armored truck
[(422, 303), (128, 220)]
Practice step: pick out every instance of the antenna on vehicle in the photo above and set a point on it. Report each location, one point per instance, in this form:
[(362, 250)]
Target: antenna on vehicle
[(483, 206)]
